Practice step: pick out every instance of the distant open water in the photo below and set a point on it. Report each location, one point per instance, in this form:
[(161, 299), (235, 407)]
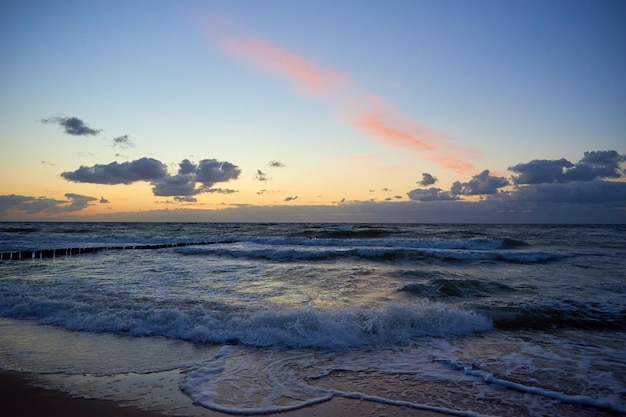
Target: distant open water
[(461, 319)]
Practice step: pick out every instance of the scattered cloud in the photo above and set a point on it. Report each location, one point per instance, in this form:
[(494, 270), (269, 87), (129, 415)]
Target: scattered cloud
[(78, 202), (276, 164), (123, 142), (186, 167), (431, 194), (591, 190), (345, 202), (266, 191), (144, 169), (395, 197), (481, 184), (260, 175), (219, 190), (588, 192), (427, 179), (48, 163), (44, 205), (211, 171), (593, 165), (185, 183), (191, 179), (72, 126), (175, 185), (185, 199), (542, 181)]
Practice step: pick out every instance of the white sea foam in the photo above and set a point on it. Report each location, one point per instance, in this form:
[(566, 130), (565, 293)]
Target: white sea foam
[(614, 405), (459, 251), (239, 381), (255, 326)]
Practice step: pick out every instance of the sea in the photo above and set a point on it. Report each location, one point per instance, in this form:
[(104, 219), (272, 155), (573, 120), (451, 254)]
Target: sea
[(250, 318)]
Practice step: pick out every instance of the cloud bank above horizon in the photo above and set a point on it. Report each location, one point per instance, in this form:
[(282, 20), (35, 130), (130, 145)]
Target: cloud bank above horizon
[(597, 179)]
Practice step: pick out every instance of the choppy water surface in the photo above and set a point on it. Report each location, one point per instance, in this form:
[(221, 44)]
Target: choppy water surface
[(471, 319)]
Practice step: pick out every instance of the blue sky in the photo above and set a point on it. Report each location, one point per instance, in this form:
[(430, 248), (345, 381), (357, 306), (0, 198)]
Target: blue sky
[(328, 111)]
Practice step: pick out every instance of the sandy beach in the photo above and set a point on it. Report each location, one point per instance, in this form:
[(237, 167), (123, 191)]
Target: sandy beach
[(22, 397)]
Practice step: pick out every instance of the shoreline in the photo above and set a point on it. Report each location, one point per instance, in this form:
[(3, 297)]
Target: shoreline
[(22, 398)]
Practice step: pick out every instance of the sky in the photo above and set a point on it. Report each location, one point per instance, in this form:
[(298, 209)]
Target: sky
[(325, 111)]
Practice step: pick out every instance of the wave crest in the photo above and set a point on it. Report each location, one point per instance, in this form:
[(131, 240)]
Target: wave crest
[(391, 324)]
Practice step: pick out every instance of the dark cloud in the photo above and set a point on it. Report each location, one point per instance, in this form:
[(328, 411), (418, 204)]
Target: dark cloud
[(481, 184), (219, 190), (596, 165), (594, 192), (386, 189), (430, 194), (593, 166), (191, 179), (186, 167), (175, 185), (72, 126), (290, 198), (77, 202), (543, 187), (181, 184), (395, 197), (123, 142), (48, 163), (185, 199), (185, 183), (276, 164), (540, 171), (33, 205), (427, 179), (345, 201), (104, 200), (211, 171), (260, 175), (144, 169)]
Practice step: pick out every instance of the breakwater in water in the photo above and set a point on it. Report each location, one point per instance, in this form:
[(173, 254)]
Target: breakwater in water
[(63, 252)]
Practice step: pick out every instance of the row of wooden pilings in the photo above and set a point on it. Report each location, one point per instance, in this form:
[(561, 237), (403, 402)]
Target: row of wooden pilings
[(58, 253)]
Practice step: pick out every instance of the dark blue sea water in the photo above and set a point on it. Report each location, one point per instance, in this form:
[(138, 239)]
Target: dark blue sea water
[(250, 318)]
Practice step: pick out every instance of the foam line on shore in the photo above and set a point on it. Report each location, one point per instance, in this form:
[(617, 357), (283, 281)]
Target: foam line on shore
[(560, 396)]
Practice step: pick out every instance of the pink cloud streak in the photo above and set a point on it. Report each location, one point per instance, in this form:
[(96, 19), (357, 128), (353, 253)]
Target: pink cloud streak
[(300, 71), (362, 111)]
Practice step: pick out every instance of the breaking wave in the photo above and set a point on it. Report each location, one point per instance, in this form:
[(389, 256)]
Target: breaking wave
[(391, 324)]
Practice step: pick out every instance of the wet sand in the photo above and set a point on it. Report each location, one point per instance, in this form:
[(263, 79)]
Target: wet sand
[(22, 398)]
